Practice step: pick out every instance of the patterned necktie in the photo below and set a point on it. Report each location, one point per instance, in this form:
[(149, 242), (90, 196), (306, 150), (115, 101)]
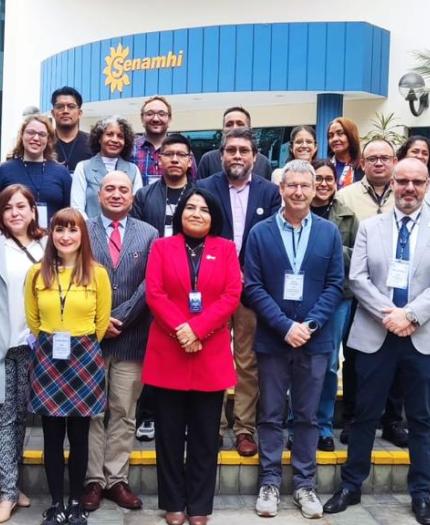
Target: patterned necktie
[(115, 243), (400, 295)]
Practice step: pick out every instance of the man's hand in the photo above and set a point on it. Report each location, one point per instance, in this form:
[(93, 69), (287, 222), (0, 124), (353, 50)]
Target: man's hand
[(298, 335), (196, 346), (185, 335), (395, 321), (114, 328)]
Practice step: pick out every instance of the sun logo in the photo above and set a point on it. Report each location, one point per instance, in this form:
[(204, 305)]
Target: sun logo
[(116, 76)]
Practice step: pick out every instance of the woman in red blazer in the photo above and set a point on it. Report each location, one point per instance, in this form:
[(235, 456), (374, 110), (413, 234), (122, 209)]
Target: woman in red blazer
[(193, 286)]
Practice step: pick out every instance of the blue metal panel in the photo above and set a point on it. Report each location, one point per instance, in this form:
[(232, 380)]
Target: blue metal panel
[(385, 59), (152, 50), (127, 42), (298, 50), (138, 84), (95, 71), (43, 90), (317, 57), (262, 51), (70, 67), (104, 52), (279, 57), (165, 76), (227, 58), (335, 65), (329, 106), (63, 78), (114, 42), (210, 59), (86, 68), (244, 52), (376, 72), (195, 60), (355, 58), (78, 69), (180, 42)]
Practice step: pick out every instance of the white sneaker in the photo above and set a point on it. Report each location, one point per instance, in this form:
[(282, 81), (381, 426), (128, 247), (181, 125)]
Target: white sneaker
[(308, 502), (146, 431), (267, 501)]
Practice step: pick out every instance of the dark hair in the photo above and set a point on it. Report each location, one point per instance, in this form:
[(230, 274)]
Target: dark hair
[(49, 153), (66, 91), (214, 211), (100, 127), (297, 130), (351, 131), (406, 146), (84, 267), (239, 133), (176, 138), (324, 162), (33, 230), (156, 97), (377, 139), (237, 108)]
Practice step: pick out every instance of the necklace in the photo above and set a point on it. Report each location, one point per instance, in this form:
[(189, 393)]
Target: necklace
[(194, 251)]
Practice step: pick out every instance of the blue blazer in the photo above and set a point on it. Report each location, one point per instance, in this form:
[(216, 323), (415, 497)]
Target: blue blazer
[(264, 200), (266, 262)]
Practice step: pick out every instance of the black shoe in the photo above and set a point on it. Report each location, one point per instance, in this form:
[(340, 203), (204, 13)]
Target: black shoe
[(344, 435), (326, 444), (76, 515), (289, 444), (342, 499), (396, 434), (421, 509), (220, 442), (55, 515)]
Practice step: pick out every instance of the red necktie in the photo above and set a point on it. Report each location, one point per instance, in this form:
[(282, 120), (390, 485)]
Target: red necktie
[(115, 243)]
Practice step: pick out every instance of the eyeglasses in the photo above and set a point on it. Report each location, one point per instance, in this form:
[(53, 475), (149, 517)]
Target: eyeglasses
[(294, 187), (171, 154), (319, 179), (151, 114), (243, 151), (62, 107), (385, 159), (305, 142), (33, 133), (417, 183)]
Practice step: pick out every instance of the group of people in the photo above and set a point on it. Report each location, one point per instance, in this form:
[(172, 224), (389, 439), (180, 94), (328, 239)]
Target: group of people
[(123, 263)]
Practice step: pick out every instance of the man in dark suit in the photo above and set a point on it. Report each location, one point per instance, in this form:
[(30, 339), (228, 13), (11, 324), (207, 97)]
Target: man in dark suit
[(390, 277), (122, 245), (245, 199), (294, 281)]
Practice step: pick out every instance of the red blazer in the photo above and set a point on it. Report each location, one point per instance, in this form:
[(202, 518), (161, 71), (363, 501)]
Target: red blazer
[(168, 284)]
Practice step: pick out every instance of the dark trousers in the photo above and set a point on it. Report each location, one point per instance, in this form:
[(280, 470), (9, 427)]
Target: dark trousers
[(394, 405), (145, 405), (54, 432), (189, 486), (375, 375)]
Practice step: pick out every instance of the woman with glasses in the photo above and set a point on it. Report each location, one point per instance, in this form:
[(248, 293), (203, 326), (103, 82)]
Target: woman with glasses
[(22, 244), (111, 141), (344, 151), (33, 165), (303, 145)]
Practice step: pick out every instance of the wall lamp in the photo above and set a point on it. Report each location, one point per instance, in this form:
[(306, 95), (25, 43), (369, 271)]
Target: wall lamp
[(413, 89)]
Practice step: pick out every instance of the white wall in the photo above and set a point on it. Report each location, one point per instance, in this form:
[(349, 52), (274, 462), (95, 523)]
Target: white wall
[(38, 29)]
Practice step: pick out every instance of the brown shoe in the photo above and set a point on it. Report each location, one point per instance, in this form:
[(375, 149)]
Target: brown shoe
[(246, 445), (122, 495), (92, 496), (175, 518), (198, 520)]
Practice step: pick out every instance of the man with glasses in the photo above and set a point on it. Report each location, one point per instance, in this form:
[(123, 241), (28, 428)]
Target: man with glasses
[(293, 280), (390, 276), (210, 163), (245, 200), (371, 196), (156, 115), (72, 144)]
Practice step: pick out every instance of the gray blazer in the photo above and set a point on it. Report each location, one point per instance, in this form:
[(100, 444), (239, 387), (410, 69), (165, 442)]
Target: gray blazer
[(128, 285), (371, 257), (4, 319)]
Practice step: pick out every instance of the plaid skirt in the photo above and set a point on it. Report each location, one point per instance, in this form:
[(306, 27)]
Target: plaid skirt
[(67, 387)]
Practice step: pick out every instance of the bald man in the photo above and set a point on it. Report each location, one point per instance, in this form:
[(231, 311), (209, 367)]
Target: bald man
[(122, 245)]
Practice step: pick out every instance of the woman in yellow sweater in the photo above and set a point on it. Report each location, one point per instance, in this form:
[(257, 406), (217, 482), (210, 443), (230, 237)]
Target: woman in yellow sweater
[(68, 304)]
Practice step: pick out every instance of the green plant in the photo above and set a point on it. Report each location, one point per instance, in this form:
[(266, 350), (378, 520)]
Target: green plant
[(386, 127)]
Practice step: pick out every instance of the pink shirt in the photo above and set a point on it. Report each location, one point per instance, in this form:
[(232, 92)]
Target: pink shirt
[(239, 203)]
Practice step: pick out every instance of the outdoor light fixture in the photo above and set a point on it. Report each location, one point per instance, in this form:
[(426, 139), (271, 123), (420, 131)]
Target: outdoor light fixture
[(413, 88)]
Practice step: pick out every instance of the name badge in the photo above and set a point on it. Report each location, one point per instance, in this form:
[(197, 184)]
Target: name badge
[(398, 274), (293, 286), (42, 210), (195, 302), (61, 345), (168, 230)]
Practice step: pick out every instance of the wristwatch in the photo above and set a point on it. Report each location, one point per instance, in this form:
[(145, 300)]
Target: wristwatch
[(312, 325), (411, 317)]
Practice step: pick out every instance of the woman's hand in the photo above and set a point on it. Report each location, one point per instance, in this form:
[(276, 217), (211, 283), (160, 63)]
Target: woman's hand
[(185, 335), (196, 346)]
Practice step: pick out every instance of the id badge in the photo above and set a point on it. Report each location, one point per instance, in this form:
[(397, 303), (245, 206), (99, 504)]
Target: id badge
[(168, 230), (398, 274), (42, 210), (61, 345), (195, 302), (293, 286)]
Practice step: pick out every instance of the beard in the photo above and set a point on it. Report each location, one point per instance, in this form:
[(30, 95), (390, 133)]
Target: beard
[(238, 172)]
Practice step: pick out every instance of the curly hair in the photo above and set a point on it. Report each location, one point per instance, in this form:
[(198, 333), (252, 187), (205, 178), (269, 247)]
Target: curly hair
[(402, 152), (49, 153), (100, 127)]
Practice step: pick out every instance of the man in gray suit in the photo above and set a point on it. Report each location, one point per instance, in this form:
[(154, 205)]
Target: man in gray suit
[(122, 245), (390, 276)]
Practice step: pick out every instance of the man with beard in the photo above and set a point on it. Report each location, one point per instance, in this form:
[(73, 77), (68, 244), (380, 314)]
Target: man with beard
[(72, 145), (245, 199), (156, 115)]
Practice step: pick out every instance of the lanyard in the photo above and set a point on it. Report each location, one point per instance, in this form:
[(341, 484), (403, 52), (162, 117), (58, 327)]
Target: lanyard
[(170, 205), (405, 240), (24, 249), (293, 240), (379, 200), (64, 153), (195, 260), (62, 297), (35, 186)]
